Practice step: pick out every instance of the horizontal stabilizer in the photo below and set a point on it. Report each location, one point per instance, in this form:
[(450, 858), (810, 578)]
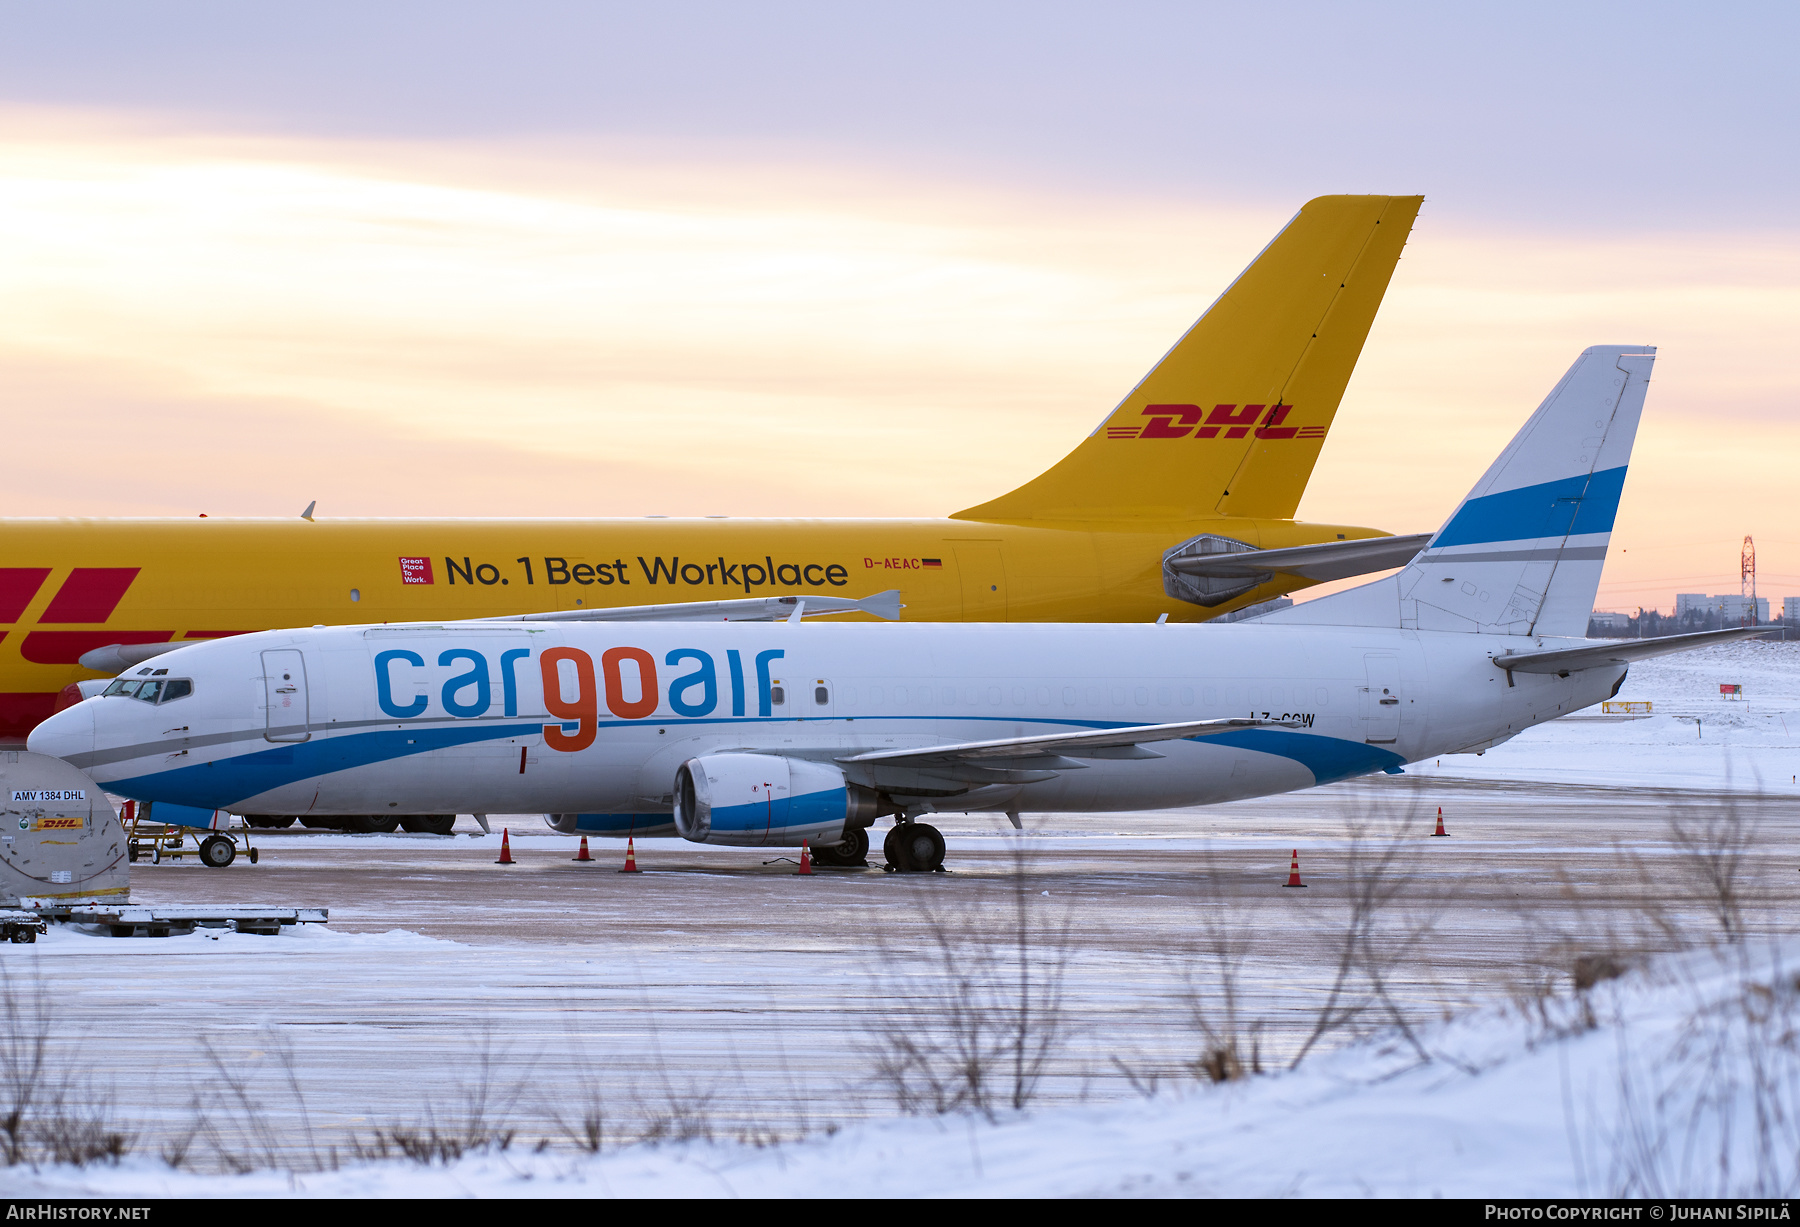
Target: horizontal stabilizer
[(1055, 745), (1564, 661), (1327, 560), (885, 605)]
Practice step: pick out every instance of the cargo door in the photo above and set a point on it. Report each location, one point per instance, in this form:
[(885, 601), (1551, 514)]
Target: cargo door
[(1381, 699), (983, 578), (284, 689)]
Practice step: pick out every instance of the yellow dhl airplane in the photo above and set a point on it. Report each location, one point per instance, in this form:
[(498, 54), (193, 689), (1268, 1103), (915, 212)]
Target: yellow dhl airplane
[(1180, 503)]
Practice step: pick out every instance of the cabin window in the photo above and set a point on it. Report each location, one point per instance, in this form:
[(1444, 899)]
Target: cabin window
[(778, 695), (1069, 695), (1142, 695), (821, 695)]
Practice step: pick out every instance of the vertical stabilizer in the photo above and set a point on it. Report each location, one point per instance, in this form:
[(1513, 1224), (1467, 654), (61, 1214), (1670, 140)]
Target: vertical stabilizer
[(1522, 554), (1231, 421)]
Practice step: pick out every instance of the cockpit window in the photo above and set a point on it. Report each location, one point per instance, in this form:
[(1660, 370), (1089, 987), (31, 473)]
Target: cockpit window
[(153, 691)]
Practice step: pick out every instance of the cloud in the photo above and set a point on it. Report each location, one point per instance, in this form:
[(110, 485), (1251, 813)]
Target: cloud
[(582, 328)]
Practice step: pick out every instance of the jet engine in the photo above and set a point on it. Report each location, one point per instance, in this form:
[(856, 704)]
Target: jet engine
[(760, 800)]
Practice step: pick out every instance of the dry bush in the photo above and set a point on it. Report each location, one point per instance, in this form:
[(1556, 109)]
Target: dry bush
[(479, 1117), (47, 1112), (977, 1026), (1715, 1113), (1388, 914), (1712, 844)]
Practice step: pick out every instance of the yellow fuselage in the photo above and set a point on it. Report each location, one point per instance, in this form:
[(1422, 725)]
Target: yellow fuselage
[(69, 586)]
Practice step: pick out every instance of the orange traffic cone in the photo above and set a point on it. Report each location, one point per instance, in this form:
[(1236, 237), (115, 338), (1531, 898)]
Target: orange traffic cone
[(805, 858), (505, 847), (630, 856), (1440, 830), (1294, 873), (583, 854)]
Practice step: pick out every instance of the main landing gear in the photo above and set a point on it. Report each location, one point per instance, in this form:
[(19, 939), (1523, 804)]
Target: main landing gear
[(914, 847)]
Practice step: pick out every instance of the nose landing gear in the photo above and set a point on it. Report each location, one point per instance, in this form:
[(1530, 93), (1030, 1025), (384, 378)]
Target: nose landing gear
[(914, 847)]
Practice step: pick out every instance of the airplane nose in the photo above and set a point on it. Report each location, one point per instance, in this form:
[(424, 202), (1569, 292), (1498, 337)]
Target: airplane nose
[(67, 733)]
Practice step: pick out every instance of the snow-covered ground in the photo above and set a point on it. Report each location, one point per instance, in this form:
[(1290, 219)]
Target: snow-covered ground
[(748, 999), (1679, 1079), (1695, 739)]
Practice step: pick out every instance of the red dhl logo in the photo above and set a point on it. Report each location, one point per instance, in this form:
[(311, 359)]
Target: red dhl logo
[(1226, 421), (58, 824), (87, 597)]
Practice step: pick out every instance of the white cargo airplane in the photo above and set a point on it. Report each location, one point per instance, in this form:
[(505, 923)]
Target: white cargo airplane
[(768, 734)]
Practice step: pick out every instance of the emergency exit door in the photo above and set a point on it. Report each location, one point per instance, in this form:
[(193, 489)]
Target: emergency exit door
[(284, 692)]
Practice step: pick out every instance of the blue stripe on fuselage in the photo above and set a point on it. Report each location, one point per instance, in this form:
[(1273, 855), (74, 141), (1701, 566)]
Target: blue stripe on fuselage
[(1567, 507), (1328, 758), (223, 782)]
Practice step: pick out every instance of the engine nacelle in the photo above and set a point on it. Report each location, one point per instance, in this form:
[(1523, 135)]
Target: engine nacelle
[(760, 800)]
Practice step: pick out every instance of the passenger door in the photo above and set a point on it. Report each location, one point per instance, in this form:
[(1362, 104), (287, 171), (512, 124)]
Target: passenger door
[(284, 691)]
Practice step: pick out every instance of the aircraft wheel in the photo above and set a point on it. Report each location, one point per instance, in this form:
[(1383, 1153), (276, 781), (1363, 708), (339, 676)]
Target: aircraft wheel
[(372, 824), (216, 851), (253, 856), (156, 854), (131, 853), (268, 822), (321, 822), (854, 850), (915, 847), (436, 824), (890, 849)]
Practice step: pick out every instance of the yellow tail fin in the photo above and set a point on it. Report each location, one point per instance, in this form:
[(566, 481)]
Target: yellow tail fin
[(1231, 421)]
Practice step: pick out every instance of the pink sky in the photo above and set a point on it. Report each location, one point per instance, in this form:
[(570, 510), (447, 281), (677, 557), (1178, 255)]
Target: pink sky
[(225, 292)]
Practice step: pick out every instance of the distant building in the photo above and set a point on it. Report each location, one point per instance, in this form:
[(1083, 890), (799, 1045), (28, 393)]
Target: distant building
[(1730, 609), (1790, 610), (1606, 620)]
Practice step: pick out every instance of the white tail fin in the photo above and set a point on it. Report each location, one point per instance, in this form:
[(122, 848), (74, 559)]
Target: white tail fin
[(1523, 552)]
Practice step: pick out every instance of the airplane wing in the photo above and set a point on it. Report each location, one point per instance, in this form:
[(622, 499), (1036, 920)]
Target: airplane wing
[(1564, 661), (751, 609), (1327, 560), (1048, 753)]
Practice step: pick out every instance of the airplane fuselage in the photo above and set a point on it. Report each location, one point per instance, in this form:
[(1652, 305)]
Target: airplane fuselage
[(595, 720), (70, 586)]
